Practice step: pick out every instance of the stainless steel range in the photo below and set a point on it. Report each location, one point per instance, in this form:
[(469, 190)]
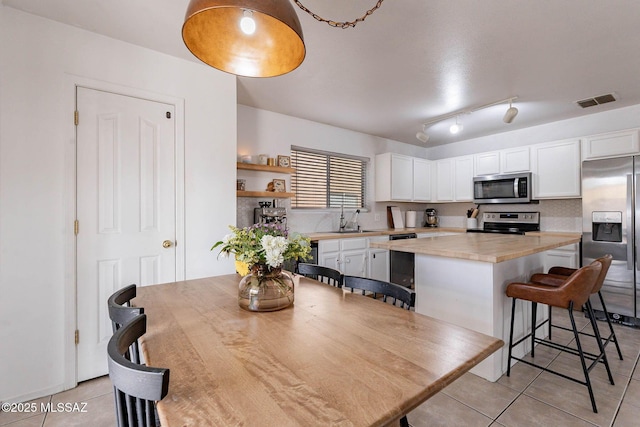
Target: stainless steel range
[(508, 222)]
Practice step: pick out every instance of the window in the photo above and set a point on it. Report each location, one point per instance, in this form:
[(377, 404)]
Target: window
[(327, 180)]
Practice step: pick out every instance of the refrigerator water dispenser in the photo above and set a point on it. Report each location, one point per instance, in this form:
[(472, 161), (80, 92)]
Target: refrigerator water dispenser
[(607, 226)]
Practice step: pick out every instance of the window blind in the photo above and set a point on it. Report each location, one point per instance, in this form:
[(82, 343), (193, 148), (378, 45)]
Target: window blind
[(327, 180)]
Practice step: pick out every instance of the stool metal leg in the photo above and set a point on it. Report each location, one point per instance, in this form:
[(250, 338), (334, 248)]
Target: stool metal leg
[(596, 332), (550, 323), (582, 361), (513, 314), (534, 309), (612, 335)]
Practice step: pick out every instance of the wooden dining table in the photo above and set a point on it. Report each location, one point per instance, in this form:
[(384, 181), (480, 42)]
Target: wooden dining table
[(333, 358)]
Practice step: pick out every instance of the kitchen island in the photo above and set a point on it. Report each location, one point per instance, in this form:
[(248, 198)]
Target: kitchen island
[(462, 279)]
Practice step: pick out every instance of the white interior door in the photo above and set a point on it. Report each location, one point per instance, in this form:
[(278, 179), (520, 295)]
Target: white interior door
[(126, 204)]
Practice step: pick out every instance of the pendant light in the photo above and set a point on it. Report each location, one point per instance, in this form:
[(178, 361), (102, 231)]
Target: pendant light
[(218, 32)]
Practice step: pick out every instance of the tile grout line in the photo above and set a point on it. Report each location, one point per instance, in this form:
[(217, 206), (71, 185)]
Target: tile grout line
[(624, 393)]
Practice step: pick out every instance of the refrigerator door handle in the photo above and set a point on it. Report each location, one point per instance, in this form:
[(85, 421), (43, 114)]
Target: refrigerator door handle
[(630, 214)]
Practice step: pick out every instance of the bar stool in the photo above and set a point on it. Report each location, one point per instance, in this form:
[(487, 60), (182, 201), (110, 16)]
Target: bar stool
[(557, 275), (573, 292)]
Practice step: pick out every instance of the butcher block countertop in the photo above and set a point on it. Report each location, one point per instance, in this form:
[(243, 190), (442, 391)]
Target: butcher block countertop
[(327, 235), (485, 247)]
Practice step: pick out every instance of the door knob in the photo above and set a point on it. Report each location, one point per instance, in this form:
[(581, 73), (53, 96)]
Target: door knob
[(167, 244)]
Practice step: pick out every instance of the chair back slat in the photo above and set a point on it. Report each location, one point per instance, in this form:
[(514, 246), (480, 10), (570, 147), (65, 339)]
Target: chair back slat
[(406, 296), (320, 273), (121, 313), (120, 310), (136, 386)]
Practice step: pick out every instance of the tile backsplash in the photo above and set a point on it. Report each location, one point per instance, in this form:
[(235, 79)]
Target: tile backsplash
[(555, 215)]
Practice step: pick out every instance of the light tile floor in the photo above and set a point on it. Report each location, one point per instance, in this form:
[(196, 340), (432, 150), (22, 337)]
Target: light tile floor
[(529, 397)]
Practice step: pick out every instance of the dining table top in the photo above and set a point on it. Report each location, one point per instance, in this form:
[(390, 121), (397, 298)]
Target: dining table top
[(332, 358)]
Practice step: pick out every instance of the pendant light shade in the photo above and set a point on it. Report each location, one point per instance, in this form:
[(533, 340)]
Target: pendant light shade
[(213, 33)]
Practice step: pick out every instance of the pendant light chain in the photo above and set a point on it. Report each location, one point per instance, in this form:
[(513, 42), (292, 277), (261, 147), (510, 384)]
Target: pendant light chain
[(340, 24)]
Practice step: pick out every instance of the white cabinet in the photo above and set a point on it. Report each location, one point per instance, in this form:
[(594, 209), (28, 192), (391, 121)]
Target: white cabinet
[(463, 179), (565, 256), (556, 170), (347, 255), (401, 178), (378, 260), (421, 180), (611, 144), (487, 163), (515, 160), (453, 180), (511, 160), (329, 253), (443, 181)]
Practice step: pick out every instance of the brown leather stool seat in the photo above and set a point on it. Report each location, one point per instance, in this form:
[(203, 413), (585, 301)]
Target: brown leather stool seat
[(573, 292), (557, 276)]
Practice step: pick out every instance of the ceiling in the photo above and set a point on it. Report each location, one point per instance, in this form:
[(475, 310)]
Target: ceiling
[(414, 60)]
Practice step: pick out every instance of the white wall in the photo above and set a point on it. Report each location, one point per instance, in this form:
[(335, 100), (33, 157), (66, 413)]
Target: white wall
[(265, 132), (608, 121), (40, 59)]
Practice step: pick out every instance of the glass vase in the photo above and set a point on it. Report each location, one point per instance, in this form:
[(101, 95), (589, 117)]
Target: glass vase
[(265, 289)]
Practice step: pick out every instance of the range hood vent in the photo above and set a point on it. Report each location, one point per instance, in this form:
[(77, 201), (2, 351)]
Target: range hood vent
[(596, 100)]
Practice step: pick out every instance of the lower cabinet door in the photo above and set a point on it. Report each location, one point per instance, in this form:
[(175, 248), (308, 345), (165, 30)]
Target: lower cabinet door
[(379, 264), (354, 263), (330, 260)]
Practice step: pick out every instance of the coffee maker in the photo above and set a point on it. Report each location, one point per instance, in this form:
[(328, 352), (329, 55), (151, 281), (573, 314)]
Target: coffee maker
[(430, 218), (267, 214)]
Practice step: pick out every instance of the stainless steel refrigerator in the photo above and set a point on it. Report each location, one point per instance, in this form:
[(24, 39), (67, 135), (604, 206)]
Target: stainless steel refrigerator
[(611, 225)]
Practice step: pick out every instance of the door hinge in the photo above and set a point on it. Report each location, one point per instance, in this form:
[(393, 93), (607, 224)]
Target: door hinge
[(77, 337), (76, 227), (76, 117)]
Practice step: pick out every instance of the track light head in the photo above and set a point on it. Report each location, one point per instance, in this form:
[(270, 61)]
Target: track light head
[(422, 136), (456, 127), (511, 114)]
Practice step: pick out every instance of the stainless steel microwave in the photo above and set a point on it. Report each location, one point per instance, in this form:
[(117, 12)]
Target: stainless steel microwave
[(511, 188)]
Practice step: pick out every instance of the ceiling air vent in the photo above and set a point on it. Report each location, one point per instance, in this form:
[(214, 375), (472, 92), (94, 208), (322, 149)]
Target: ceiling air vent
[(597, 100)]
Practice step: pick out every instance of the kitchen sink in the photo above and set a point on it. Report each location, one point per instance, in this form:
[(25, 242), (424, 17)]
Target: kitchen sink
[(349, 232)]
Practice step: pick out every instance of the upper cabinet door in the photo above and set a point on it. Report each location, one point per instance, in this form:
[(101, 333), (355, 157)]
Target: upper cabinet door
[(443, 181), (556, 170), (393, 177), (421, 180), (515, 160), (401, 177), (487, 163), (612, 144), (463, 172)]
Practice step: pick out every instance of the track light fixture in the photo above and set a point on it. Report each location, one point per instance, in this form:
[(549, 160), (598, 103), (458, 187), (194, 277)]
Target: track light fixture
[(456, 128), (422, 135), (511, 113)]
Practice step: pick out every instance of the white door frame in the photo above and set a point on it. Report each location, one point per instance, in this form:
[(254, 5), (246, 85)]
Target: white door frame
[(70, 293)]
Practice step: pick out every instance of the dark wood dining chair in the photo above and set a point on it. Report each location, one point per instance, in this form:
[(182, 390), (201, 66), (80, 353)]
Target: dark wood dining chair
[(406, 296), (323, 274), (136, 387), (121, 313)]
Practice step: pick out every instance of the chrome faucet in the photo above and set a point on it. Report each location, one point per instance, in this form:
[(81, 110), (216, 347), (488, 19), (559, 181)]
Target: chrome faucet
[(352, 224), (343, 224)]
